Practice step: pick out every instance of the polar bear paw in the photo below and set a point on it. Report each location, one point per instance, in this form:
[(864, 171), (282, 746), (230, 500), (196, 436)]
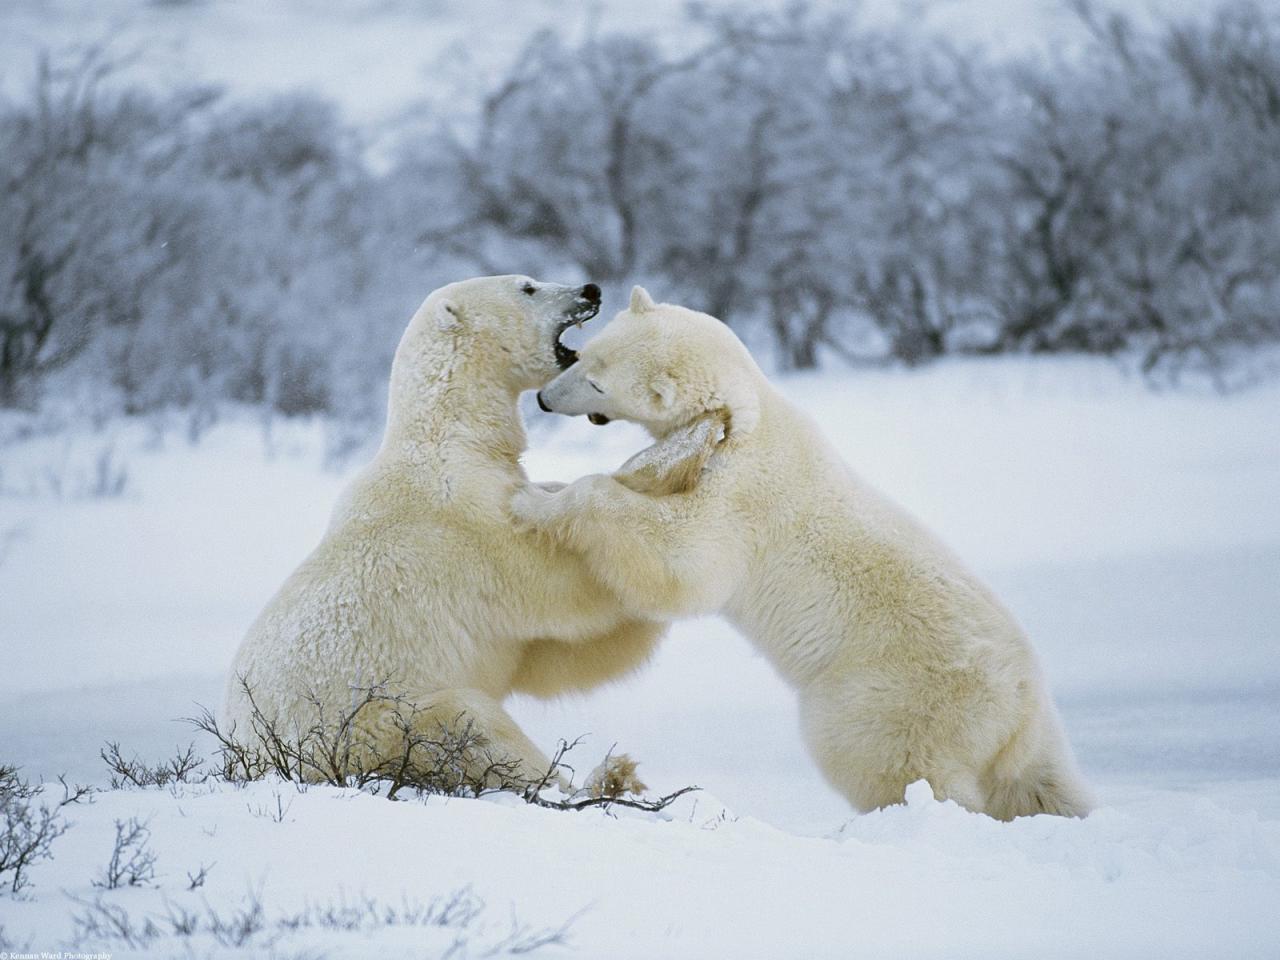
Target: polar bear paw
[(539, 507), (615, 777), (533, 505)]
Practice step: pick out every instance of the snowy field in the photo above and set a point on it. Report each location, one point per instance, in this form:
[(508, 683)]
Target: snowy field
[(1135, 534)]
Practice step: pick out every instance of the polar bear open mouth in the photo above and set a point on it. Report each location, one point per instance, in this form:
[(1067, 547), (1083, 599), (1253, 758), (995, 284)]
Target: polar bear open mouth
[(581, 311)]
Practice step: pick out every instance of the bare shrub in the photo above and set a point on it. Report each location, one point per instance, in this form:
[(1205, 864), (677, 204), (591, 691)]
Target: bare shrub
[(110, 475), (247, 925), (846, 185), (28, 830), (102, 922), (525, 939), (276, 812), (430, 756), (133, 862), (105, 922), (241, 925), (72, 472), (458, 909), (10, 946), (196, 879), (75, 792), (183, 767)]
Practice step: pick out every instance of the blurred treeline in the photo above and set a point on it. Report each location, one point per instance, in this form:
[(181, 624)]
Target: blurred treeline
[(840, 192)]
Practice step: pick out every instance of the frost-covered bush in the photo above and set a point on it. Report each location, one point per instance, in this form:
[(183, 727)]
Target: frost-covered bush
[(28, 827), (806, 172), (250, 929), (422, 756), (178, 250), (1143, 193), (132, 862), (866, 191)]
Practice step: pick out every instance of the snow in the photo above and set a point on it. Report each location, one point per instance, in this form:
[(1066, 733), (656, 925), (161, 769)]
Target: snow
[(1135, 533), (1173, 878)]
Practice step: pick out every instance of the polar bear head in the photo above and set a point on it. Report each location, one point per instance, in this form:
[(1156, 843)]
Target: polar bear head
[(510, 326), (661, 366)]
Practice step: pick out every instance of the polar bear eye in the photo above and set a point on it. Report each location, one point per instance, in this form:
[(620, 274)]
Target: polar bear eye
[(595, 386), (529, 289)]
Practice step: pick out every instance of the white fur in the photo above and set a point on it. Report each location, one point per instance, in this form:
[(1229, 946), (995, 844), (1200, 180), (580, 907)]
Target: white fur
[(905, 665), (421, 580)]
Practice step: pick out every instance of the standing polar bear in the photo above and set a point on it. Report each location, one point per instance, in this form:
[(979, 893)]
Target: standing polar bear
[(906, 667), (421, 581)]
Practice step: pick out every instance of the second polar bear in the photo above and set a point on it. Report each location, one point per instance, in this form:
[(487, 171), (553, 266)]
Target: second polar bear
[(905, 665)]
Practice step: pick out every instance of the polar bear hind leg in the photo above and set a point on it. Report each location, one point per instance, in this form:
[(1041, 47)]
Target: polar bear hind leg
[(871, 751), (550, 668), (1036, 773)]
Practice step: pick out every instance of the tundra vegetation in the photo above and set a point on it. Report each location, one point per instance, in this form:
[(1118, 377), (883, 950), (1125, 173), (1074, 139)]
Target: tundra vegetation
[(837, 191), (440, 759)]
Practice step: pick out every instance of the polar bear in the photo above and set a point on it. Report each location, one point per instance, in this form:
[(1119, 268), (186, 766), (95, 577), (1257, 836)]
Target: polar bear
[(421, 581), (905, 665)]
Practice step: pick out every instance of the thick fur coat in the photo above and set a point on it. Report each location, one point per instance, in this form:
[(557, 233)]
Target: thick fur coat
[(422, 582), (905, 665)]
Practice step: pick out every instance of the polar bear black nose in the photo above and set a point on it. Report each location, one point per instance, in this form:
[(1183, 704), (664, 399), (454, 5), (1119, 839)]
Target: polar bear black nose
[(591, 292), (541, 405)]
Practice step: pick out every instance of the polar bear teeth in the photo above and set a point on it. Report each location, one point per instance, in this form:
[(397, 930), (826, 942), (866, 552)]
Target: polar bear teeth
[(566, 356)]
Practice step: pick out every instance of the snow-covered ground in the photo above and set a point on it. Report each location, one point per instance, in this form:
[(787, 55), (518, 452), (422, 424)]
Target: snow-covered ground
[(1136, 534)]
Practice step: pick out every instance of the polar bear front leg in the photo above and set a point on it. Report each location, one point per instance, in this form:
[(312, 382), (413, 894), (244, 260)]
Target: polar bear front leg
[(665, 557)]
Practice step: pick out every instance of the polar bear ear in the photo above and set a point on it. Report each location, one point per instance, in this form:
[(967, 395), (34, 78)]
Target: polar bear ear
[(640, 300), (448, 315)]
